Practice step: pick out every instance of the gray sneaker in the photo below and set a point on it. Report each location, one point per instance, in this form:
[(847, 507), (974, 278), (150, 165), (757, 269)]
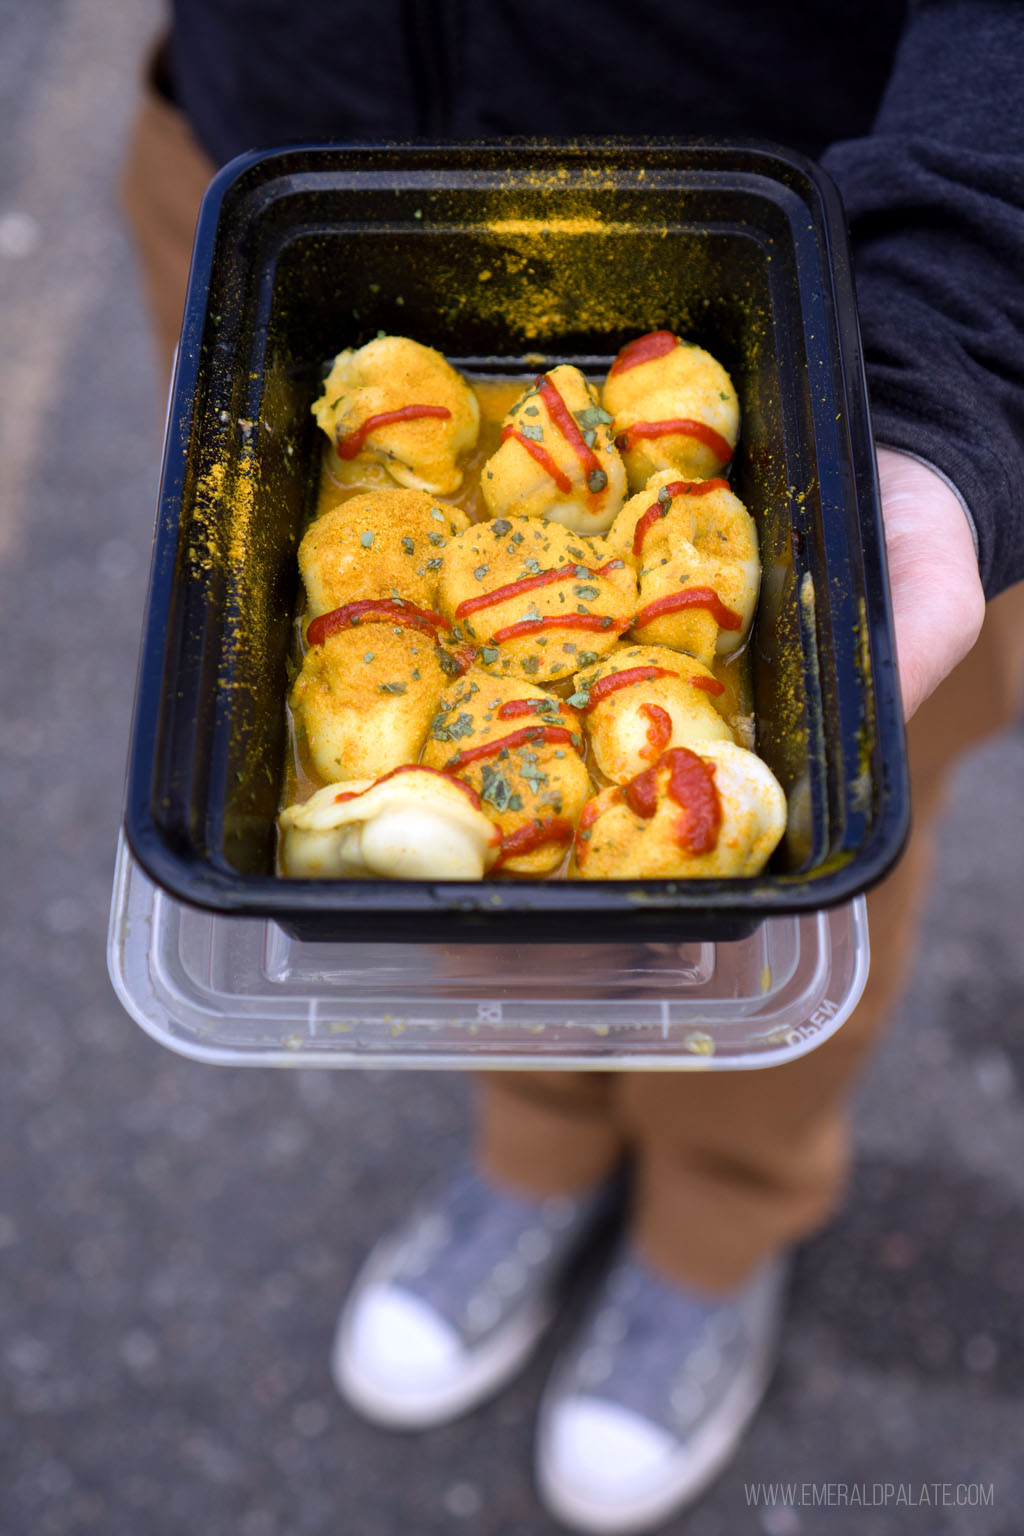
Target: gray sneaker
[(652, 1400), (448, 1308)]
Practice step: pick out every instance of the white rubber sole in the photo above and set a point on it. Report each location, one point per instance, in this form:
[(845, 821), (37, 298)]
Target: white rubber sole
[(708, 1453), (422, 1406)]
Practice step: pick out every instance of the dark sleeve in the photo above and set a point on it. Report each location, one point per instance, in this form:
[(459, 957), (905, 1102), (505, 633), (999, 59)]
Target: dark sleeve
[(935, 199)]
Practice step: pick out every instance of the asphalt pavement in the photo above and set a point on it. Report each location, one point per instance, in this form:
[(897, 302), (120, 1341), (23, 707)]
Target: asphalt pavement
[(175, 1239)]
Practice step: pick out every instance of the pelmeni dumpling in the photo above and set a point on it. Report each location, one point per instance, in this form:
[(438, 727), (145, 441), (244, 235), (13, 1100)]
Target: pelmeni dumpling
[(397, 410), (674, 407), (703, 812), (414, 824), (557, 459)]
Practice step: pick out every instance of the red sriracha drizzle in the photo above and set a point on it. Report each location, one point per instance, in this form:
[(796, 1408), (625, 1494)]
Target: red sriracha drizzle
[(560, 621), (659, 732), (350, 445), (682, 427), (528, 583), (643, 350), (691, 597), (691, 784), (384, 610), (708, 684), (529, 735), (641, 793), (534, 834), (540, 455), (563, 419), (660, 508), (613, 681), (449, 778)]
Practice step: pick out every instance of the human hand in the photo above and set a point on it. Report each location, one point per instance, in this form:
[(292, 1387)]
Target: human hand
[(937, 598)]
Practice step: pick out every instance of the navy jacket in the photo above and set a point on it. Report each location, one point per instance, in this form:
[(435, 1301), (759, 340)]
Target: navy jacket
[(917, 111)]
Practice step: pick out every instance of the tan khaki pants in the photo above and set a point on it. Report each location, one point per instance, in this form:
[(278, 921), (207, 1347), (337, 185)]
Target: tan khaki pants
[(730, 1165)]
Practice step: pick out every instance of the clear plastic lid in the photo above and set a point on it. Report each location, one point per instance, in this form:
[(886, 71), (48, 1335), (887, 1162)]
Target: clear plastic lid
[(240, 992)]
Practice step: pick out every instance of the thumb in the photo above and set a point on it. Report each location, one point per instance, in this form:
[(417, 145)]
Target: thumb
[(937, 598)]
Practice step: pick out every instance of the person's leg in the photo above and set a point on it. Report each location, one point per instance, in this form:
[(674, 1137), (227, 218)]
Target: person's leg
[(165, 175), (547, 1133)]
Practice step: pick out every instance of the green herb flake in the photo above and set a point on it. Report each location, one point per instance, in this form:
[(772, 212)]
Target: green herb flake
[(415, 674), (596, 481), (530, 664), (462, 725), (496, 789), (593, 416), (408, 545), (366, 539), (435, 564), (580, 699), (535, 434), (489, 655), (532, 565), (481, 571), (500, 527), (569, 647), (590, 437), (531, 410), (369, 657), (392, 687), (587, 658), (449, 664), (436, 539), (437, 514), (587, 593)]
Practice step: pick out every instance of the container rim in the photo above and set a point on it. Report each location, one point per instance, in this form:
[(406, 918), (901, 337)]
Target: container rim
[(206, 882)]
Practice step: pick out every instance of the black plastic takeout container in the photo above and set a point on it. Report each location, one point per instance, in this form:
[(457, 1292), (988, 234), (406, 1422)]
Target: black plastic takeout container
[(504, 257)]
